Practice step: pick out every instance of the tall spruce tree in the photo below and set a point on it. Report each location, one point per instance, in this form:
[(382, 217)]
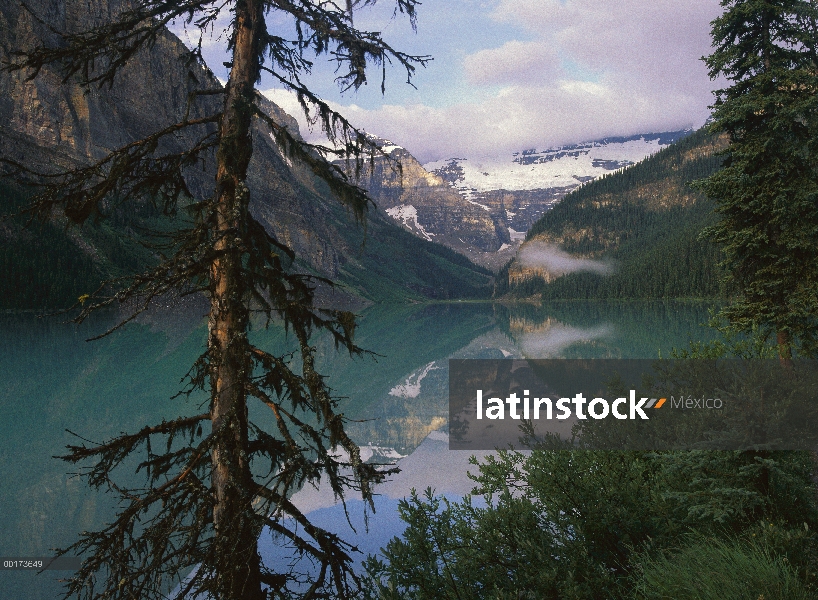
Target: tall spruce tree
[(767, 192), (197, 519)]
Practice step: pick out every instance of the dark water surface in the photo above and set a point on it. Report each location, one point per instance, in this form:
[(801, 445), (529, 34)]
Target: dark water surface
[(54, 381)]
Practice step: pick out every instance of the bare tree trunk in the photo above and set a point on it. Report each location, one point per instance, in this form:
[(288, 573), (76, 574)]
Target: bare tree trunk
[(784, 341), (236, 534)]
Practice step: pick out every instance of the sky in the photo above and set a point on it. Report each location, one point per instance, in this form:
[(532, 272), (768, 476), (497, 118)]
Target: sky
[(509, 75)]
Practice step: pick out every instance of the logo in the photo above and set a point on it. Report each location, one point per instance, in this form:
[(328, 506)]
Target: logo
[(544, 408)]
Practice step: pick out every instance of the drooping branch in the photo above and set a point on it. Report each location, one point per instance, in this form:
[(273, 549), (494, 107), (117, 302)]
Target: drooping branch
[(111, 454), (98, 54), (326, 28), (130, 172), (160, 529), (181, 274), (329, 550)]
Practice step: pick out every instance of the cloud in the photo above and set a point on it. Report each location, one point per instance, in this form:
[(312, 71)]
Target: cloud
[(556, 261), (516, 118), (515, 62), (539, 73)]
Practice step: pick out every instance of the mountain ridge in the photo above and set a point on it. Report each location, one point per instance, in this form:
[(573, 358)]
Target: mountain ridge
[(444, 202), (631, 234), (49, 126)]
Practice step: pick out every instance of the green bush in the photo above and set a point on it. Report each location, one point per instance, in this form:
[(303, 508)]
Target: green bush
[(598, 525), (712, 569)]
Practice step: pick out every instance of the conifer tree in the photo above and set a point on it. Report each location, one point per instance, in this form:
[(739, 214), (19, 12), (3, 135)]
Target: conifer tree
[(204, 502), (767, 192)]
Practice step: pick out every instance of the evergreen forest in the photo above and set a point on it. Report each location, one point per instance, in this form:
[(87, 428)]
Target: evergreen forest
[(646, 220), (49, 264)]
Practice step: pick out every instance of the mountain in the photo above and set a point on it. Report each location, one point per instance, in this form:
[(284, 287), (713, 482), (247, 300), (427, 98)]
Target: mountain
[(426, 205), (47, 125), (522, 186), (631, 234), (482, 208)]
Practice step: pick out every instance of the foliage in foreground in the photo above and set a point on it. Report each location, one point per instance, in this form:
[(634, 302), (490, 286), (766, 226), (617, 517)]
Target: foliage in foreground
[(594, 524), (584, 524), (713, 569), (766, 193)]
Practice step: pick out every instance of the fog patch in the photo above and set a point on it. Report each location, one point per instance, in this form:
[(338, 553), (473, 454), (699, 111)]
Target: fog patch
[(550, 257), (554, 340)]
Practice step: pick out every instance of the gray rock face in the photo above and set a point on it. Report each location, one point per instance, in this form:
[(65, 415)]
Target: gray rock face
[(428, 206), (48, 125), (149, 93)]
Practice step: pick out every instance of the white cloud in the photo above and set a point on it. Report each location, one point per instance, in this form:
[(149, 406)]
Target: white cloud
[(557, 71), (635, 67), (515, 62), (539, 255), (532, 117)]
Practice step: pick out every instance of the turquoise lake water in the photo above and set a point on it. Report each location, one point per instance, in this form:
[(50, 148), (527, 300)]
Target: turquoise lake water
[(56, 383)]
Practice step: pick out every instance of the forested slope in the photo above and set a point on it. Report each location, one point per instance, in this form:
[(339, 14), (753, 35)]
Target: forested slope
[(645, 219), (50, 265), (50, 125)]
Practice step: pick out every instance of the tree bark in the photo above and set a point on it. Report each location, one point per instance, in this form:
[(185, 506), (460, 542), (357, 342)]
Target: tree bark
[(784, 342), (228, 351)]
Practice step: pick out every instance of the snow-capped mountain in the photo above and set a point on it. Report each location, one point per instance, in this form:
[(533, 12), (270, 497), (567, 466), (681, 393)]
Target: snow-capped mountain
[(525, 184), (483, 207), (562, 166)]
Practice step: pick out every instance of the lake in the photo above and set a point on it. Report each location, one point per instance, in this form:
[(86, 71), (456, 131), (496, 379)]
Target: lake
[(55, 382)]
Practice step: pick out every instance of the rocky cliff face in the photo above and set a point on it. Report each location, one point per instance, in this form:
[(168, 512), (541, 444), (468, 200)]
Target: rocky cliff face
[(67, 120), (517, 208), (425, 204), (46, 124)]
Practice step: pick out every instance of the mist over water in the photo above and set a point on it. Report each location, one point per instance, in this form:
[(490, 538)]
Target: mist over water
[(541, 255)]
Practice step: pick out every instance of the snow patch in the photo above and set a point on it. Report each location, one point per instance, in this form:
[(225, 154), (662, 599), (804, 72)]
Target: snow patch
[(380, 452), (411, 389), (483, 206), (408, 215), (516, 235)]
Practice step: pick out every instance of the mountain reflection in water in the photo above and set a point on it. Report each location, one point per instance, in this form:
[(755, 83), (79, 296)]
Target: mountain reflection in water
[(395, 399)]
